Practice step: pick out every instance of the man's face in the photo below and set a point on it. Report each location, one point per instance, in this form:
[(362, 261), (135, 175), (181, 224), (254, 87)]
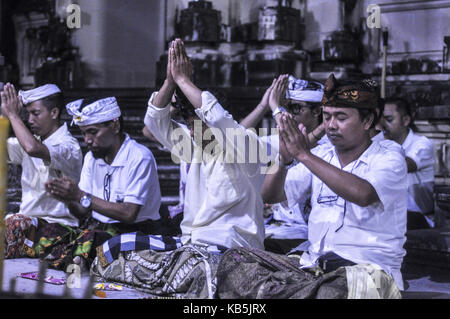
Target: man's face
[(344, 127), (394, 124), (40, 119), (99, 138), (303, 113)]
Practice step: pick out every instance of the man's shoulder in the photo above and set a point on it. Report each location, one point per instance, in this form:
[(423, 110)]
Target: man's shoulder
[(322, 150), (387, 152), (423, 140), (139, 151)]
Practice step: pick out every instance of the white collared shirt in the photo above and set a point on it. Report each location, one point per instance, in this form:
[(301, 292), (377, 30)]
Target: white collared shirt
[(223, 204), (373, 234), (65, 160), (133, 179), (421, 182)]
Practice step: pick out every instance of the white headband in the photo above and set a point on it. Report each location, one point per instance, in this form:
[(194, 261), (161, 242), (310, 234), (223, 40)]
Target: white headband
[(302, 90), (38, 93), (99, 111)]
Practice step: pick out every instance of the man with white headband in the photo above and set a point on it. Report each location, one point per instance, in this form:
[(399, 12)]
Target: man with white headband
[(286, 227), (47, 151), (119, 188)]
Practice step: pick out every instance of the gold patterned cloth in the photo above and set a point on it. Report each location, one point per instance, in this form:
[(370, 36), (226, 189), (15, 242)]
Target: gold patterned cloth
[(361, 94)]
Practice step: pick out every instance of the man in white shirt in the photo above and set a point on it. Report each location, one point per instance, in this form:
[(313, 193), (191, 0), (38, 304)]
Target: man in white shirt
[(119, 185), (287, 227), (357, 186), (48, 153), (222, 205), (397, 125)]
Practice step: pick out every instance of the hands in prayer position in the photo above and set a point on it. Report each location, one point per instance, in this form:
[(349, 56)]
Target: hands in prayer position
[(11, 102)]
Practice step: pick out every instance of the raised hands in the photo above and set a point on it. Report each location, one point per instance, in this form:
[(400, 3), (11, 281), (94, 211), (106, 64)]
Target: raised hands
[(278, 91), (293, 141), (179, 63), (11, 102), (265, 99)]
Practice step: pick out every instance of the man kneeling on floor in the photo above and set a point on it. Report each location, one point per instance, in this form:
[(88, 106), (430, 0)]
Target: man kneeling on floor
[(223, 206), (119, 189), (357, 225), (45, 150)]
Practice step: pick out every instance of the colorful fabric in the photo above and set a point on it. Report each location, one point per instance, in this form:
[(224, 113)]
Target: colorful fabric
[(186, 272), (59, 251), (18, 227), (361, 95)]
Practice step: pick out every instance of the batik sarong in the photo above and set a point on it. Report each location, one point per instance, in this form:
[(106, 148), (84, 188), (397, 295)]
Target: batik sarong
[(257, 274), (159, 265)]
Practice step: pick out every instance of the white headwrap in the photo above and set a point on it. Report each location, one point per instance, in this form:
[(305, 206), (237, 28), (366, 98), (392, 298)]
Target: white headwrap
[(38, 93), (302, 90), (99, 111)]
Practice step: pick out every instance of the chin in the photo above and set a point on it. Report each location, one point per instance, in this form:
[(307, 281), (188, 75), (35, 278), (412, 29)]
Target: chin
[(97, 154)]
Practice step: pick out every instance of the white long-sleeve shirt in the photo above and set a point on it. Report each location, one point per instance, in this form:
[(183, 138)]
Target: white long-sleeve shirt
[(223, 204)]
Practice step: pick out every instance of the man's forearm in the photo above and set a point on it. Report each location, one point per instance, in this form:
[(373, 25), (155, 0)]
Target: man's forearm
[(164, 95), (28, 142), (254, 117), (272, 190), (346, 185), (77, 210), (192, 92), (123, 212)]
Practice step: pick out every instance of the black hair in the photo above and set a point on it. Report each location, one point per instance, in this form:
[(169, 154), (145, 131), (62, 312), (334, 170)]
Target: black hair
[(404, 108), (53, 101), (365, 114), (184, 107)]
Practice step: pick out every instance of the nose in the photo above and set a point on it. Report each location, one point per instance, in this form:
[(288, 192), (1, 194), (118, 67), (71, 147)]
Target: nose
[(332, 124), (30, 119), (88, 139)]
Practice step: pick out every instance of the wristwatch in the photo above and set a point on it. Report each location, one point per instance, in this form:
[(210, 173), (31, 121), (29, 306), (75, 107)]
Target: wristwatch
[(279, 109), (85, 201)]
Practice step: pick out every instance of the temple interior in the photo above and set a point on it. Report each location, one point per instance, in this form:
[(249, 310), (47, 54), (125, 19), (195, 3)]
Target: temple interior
[(119, 48)]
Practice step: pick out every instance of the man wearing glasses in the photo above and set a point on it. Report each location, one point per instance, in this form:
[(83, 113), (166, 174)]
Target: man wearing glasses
[(358, 186), (119, 189), (287, 227)]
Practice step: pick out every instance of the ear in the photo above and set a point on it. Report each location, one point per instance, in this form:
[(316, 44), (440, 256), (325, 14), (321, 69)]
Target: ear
[(406, 120), (116, 126), (54, 113), (368, 121), (315, 112)]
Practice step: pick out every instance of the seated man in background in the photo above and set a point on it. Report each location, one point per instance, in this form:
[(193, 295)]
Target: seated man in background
[(222, 207), (287, 227), (119, 189), (398, 126), (357, 224), (49, 151)]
